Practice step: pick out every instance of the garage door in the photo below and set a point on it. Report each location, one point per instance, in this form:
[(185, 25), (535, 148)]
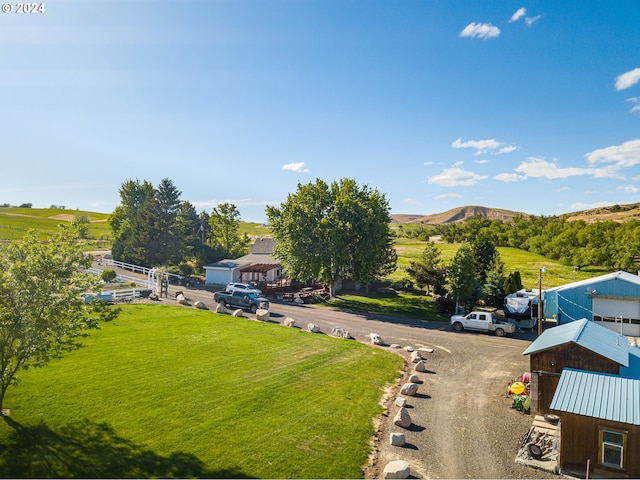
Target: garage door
[(609, 311)]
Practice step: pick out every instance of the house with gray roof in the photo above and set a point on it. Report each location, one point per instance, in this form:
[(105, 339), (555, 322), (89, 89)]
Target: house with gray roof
[(258, 267)]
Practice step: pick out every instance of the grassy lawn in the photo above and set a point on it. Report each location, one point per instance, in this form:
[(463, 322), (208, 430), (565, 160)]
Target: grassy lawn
[(401, 305), (166, 391)]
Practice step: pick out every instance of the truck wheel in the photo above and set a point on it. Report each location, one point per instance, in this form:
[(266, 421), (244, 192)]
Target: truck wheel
[(457, 327), (253, 308), (499, 332)]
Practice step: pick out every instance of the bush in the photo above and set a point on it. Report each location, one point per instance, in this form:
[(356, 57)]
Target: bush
[(108, 276)]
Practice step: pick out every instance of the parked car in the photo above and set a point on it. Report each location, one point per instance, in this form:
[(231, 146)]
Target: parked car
[(247, 301), (242, 287), (483, 321)]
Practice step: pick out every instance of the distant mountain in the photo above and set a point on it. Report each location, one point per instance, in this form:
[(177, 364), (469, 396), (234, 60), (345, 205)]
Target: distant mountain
[(456, 215), (616, 213)]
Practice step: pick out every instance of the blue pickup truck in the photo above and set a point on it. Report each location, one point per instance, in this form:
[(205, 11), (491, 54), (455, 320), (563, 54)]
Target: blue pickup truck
[(244, 300)]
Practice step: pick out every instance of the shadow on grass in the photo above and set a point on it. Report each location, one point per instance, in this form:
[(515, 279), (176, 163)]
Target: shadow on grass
[(92, 450)]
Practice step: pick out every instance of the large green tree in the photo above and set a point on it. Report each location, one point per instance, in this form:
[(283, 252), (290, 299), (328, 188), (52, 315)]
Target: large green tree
[(328, 232), (461, 277), (428, 270), (224, 223), (42, 307)]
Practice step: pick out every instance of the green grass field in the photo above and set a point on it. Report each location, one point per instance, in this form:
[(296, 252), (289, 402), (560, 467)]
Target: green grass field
[(527, 263), (15, 222), (166, 391)]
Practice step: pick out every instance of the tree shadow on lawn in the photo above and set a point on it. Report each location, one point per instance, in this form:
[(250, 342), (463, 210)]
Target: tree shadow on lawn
[(92, 450)]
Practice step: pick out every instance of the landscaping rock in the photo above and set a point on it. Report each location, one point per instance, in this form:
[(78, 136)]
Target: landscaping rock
[(425, 350), (339, 332), (298, 300), (413, 378), (397, 439), (409, 389), (397, 469), (402, 418), (376, 339), (181, 299), (313, 328), (200, 305), (420, 366), (401, 402), (262, 315), (289, 322), (220, 308), (409, 348), (238, 313), (415, 356), (394, 345)]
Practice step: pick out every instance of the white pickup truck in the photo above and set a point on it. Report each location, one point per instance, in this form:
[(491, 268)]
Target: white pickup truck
[(484, 321)]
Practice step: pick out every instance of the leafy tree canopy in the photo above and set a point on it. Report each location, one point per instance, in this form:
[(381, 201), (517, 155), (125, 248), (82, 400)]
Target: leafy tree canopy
[(42, 307), (332, 231)]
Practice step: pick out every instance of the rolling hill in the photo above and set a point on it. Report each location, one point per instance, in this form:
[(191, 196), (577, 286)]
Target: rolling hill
[(616, 213)]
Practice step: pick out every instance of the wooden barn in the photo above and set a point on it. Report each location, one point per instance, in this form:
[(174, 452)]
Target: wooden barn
[(600, 424), (582, 345)]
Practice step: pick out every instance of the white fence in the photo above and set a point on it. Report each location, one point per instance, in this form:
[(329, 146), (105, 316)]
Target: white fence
[(126, 266)]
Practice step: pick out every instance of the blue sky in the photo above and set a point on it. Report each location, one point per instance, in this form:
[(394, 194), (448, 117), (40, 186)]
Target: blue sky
[(528, 106)]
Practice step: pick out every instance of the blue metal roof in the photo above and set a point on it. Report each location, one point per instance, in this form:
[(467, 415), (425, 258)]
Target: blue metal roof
[(621, 275), (587, 334), (598, 395)]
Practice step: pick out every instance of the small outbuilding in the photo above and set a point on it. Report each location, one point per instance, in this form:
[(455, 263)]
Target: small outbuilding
[(612, 300), (583, 345), (600, 433)]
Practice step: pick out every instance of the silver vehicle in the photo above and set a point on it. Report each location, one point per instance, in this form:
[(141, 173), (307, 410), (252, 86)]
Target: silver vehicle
[(242, 287)]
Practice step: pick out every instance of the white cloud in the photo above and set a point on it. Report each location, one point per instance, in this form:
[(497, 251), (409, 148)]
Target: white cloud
[(456, 177), (481, 162), (509, 149), (628, 79), (540, 168), (484, 146), (296, 167), (531, 20), (458, 164), (622, 156), (428, 163), (629, 189), (410, 201), (480, 30), (521, 12), (447, 195), (509, 177), (563, 189)]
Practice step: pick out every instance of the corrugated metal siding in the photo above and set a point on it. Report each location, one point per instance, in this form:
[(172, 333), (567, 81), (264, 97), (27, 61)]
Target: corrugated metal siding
[(587, 334), (598, 395), (572, 302)]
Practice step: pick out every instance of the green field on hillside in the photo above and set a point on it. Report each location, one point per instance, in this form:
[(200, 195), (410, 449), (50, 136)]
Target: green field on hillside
[(15, 222), (167, 391), (527, 263)]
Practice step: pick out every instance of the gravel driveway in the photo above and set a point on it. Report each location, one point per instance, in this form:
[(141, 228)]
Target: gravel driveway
[(463, 423)]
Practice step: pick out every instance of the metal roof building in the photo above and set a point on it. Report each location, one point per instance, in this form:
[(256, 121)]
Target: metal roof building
[(612, 299), (587, 334), (598, 395)]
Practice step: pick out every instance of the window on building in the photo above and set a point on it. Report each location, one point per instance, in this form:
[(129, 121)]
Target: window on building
[(612, 446)]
